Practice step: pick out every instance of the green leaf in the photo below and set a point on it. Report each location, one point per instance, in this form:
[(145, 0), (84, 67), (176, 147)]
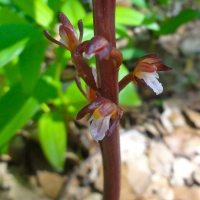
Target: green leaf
[(14, 38), (130, 53), (38, 10), (55, 4), (128, 96), (30, 61), (13, 33), (88, 34), (75, 99), (128, 16), (11, 52), (12, 73), (153, 26), (140, 3), (52, 136), (5, 2), (11, 17), (45, 90), (16, 110), (121, 32), (173, 23), (88, 20), (74, 11)]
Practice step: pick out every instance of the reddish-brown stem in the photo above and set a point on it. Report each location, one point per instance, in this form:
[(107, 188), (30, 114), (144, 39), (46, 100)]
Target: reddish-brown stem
[(125, 81), (107, 75)]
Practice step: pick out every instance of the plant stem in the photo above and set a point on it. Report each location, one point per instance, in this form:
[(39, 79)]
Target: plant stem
[(125, 81), (107, 73)]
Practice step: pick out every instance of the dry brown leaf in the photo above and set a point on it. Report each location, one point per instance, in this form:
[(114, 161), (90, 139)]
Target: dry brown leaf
[(184, 141), (159, 189), (138, 173), (160, 159), (193, 116), (185, 193), (51, 183), (182, 170), (126, 190), (172, 116), (94, 196), (23, 192)]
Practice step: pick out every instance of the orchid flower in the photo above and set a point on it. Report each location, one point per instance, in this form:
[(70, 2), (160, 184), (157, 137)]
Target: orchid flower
[(68, 36), (145, 72), (104, 117)]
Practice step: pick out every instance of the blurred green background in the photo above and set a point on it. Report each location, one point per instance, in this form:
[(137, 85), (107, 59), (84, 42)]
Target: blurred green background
[(36, 76)]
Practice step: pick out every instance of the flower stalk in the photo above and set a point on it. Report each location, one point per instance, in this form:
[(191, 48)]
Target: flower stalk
[(107, 73)]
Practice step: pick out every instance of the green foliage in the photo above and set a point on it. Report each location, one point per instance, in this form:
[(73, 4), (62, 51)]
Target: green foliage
[(128, 16), (170, 25), (38, 10), (128, 96), (28, 83), (140, 3), (74, 10), (76, 101), (53, 138)]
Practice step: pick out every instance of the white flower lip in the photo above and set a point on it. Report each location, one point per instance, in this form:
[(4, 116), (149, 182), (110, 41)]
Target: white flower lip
[(151, 79), (99, 127)]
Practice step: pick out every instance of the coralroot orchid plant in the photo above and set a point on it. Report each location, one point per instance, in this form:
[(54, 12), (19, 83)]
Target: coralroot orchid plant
[(102, 84)]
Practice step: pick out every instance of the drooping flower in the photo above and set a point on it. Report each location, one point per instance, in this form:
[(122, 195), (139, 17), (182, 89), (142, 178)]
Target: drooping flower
[(68, 36), (145, 72), (104, 117)]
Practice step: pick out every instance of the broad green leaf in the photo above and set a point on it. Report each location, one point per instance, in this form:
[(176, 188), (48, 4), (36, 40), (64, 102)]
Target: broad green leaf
[(153, 26), (128, 16), (55, 4), (140, 3), (52, 135), (74, 11), (37, 10), (11, 17), (128, 96), (16, 110), (130, 53), (5, 2), (75, 99), (172, 24), (11, 52), (45, 91), (88, 34), (30, 61), (12, 73), (88, 20), (121, 32), (11, 34)]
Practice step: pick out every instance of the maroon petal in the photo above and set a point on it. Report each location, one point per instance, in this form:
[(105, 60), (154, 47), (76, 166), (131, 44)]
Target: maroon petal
[(162, 67), (80, 49), (114, 122), (105, 52), (90, 107), (96, 45), (48, 36), (150, 55), (78, 83), (146, 67), (80, 27), (65, 21)]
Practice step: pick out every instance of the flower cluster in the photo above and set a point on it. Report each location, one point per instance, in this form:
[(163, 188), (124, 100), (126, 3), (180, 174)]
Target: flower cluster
[(104, 114)]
